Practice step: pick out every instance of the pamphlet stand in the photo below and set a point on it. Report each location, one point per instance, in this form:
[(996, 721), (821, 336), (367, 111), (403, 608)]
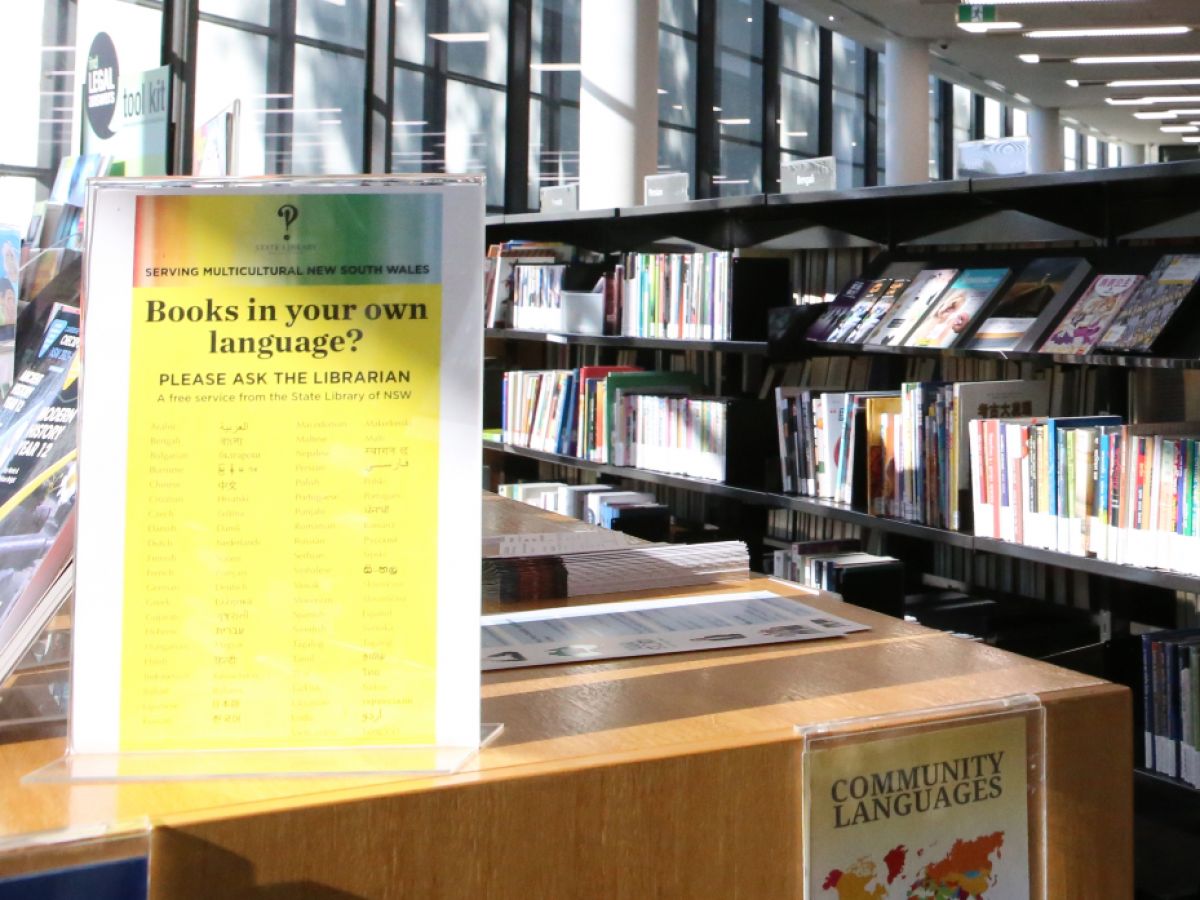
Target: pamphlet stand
[(277, 479), (948, 802)]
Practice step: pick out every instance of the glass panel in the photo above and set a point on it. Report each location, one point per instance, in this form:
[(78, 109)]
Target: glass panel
[(679, 14), (993, 119), (255, 11), (739, 26), (17, 196), (337, 21), (1020, 123), (739, 97), (231, 64), (475, 135), (800, 44), (848, 116), (480, 44), (1113, 155), (556, 26), (677, 79), (799, 102), (553, 147), (1070, 148), (409, 127), (328, 117), (411, 42), (1093, 152), (848, 69), (34, 97), (676, 151), (740, 169), (962, 114)]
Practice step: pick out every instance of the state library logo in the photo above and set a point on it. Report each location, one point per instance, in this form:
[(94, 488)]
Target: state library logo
[(289, 213)]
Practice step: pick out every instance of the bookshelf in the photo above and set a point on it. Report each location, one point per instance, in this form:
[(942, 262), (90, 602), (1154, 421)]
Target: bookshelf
[(1119, 212)]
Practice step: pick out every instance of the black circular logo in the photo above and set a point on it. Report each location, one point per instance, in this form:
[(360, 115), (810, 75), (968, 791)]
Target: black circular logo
[(100, 89)]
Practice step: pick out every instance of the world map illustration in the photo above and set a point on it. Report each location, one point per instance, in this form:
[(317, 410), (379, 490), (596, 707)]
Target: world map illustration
[(964, 873)]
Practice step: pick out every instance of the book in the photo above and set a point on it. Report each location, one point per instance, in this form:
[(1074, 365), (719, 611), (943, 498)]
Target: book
[(860, 310), (918, 298), (951, 316), (877, 312), (831, 319), (1089, 318), (1145, 316), (1035, 299)]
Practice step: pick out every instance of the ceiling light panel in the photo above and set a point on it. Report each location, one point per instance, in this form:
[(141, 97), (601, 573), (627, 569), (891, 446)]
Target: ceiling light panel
[(1147, 31), (1137, 60)]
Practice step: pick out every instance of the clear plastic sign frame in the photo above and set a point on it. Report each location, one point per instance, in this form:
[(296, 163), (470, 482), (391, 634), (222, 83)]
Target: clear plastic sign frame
[(278, 508), (945, 802)]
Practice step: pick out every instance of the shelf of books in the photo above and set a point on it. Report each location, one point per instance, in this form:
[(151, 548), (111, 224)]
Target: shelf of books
[(1006, 386)]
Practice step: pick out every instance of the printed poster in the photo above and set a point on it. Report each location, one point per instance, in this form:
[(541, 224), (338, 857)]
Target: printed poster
[(275, 494), (920, 814)]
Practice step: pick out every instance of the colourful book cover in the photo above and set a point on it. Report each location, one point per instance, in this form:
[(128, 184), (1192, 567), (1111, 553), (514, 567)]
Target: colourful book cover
[(877, 312), (1142, 319), (954, 311), (1031, 302), (829, 321), (910, 309), (1084, 324), (859, 311)]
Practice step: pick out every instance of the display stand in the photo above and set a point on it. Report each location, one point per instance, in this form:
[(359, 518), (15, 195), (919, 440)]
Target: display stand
[(948, 803), (280, 404)]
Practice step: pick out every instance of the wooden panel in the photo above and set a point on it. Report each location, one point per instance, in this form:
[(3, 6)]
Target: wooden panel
[(719, 825)]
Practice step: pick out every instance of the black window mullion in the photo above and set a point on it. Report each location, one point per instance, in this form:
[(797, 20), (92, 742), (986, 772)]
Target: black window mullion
[(516, 141), (871, 118), (978, 119), (707, 148), (437, 20), (180, 28), (1007, 122), (378, 100), (825, 93), (281, 79), (945, 99), (772, 98)]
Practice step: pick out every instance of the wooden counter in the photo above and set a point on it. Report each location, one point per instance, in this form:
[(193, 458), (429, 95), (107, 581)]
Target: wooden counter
[(668, 776)]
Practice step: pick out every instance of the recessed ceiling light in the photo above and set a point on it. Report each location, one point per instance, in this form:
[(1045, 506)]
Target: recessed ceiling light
[(1153, 82), (1183, 112), (1192, 139), (1072, 82), (1029, 57), (461, 37), (1021, 98), (994, 85), (985, 27), (1179, 129), (1133, 60), (1151, 100), (1136, 31), (1154, 115)]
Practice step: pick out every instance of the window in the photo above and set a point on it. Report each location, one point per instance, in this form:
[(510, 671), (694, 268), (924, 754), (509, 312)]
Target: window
[(849, 110), (961, 122), (449, 76), (1020, 123), (993, 119), (554, 97), (1070, 149), (1092, 150), (738, 99), (799, 86), (1112, 151), (677, 51)]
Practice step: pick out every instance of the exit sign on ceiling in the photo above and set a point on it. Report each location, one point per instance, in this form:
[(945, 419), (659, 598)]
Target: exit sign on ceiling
[(976, 12)]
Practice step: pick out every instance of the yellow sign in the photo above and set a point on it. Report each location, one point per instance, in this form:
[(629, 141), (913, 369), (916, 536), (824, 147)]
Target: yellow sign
[(278, 573)]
